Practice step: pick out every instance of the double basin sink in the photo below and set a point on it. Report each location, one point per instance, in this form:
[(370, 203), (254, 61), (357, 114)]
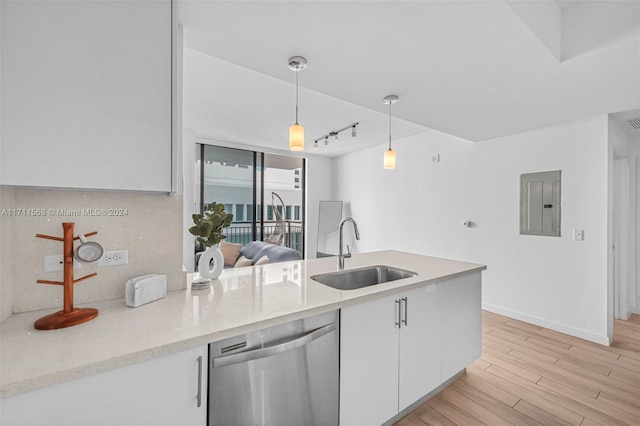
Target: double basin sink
[(362, 277)]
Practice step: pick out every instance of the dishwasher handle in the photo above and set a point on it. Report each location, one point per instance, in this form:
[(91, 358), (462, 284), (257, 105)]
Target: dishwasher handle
[(274, 350)]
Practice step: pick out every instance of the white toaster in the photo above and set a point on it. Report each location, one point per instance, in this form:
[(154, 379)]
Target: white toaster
[(145, 289)]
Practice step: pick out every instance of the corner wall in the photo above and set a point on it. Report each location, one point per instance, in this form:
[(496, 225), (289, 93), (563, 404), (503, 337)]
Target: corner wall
[(554, 282)]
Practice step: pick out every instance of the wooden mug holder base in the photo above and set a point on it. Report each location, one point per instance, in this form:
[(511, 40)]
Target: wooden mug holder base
[(62, 319), (69, 316)]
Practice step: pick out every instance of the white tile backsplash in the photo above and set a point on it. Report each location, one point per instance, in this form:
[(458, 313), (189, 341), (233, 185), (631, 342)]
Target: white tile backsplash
[(148, 225)]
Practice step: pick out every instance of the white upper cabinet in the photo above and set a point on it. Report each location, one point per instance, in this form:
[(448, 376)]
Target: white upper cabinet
[(86, 94)]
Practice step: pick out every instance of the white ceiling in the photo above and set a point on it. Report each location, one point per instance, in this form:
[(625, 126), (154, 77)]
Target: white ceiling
[(473, 69)]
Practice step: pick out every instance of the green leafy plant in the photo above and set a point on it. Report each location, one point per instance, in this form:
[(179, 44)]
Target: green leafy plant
[(209, 225)]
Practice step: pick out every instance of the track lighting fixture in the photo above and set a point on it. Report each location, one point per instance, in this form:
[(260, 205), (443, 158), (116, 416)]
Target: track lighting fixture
[(335, 136)]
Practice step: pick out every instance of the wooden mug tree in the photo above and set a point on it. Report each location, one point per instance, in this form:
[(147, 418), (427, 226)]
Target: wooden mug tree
[(69, 316)]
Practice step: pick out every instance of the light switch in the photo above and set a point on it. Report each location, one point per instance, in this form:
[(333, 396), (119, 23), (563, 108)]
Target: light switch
[(578, 234)]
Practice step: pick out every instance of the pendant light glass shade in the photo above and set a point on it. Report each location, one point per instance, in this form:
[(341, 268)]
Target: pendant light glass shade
[(389, 159), (296, 137)]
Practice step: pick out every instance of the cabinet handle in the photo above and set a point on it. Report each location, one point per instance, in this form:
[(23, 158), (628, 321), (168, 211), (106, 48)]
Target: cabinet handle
[(199, 395), (399, 309), (406, 309)]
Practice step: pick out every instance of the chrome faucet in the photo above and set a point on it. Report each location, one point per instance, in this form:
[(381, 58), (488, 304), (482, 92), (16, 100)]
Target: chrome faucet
[(342, 256)]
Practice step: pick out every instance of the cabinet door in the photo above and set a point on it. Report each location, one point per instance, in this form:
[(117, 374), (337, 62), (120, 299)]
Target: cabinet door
[(161, 391), (461, 323), (369, 362), (86, 94), (420, 356)]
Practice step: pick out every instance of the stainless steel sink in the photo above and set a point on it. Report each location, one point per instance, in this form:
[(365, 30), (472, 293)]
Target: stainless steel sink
[(362, 277)]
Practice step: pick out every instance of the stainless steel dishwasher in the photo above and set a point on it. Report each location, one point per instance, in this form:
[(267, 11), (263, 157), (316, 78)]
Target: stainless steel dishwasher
[(282, 375)]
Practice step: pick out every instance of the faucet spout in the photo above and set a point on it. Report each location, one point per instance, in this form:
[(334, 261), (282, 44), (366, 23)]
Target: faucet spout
[(341, 255)]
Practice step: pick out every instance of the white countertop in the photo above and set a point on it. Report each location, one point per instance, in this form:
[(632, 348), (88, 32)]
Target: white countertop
[(240, 301)]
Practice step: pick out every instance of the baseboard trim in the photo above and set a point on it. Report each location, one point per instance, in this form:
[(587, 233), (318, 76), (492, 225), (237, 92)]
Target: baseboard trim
[(562, 328), (419, 402)]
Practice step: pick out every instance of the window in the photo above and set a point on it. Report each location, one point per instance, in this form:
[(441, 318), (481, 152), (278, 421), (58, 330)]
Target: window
[(242, 181), (296, 213), (239, 217)]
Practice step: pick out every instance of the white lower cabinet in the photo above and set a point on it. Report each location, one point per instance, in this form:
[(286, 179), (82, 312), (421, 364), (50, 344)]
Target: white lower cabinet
[(419, 353), (161, 391), (461, 323), (397, 349), (369, 362)]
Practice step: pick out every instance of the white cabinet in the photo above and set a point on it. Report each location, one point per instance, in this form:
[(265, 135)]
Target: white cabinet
[(397, 349), (389, 355), (461, 323), (86, 94), (161, 391), (420, 337), (369, 362)]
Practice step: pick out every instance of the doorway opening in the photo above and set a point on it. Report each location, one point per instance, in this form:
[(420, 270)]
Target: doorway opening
[(623, 291)]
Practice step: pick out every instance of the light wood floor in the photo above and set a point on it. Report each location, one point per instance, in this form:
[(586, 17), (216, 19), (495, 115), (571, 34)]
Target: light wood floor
[(529, 375)]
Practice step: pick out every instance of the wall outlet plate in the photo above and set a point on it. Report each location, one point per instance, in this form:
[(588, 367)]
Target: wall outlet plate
[(578, 234), (114, 258), (53, 263), (435, 158)]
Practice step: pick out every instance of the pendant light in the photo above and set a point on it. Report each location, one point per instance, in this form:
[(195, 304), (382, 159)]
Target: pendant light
[(296, 131), (390, 154)]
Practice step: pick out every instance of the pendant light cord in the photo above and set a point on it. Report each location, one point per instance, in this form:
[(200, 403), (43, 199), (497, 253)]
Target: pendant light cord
[(389, 126), (297, 72)]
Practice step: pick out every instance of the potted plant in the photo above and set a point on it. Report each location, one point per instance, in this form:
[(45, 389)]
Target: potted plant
[(207, 229)]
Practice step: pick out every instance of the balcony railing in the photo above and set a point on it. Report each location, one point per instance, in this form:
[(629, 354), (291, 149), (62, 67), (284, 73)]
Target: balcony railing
[(241, 232)]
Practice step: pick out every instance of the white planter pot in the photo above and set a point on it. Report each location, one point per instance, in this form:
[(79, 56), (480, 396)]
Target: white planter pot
[(206, 267)]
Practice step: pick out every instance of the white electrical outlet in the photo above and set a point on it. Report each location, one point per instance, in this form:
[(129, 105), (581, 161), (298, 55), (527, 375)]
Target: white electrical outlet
[(54, 263), (435, 158), (114, 258), (578, 234)]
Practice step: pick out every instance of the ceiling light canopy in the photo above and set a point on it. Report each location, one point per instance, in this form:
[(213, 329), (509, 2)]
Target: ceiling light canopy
[(296, 131), (390, 154)]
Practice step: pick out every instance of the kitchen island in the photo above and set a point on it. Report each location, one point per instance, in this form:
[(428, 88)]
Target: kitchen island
[(241, 301)]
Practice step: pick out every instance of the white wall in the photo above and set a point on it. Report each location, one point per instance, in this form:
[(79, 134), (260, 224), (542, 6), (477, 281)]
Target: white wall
[(188, 191), (551, 281)]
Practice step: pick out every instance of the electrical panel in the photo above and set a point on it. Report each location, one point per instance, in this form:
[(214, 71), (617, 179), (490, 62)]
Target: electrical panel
[(540, 203)]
